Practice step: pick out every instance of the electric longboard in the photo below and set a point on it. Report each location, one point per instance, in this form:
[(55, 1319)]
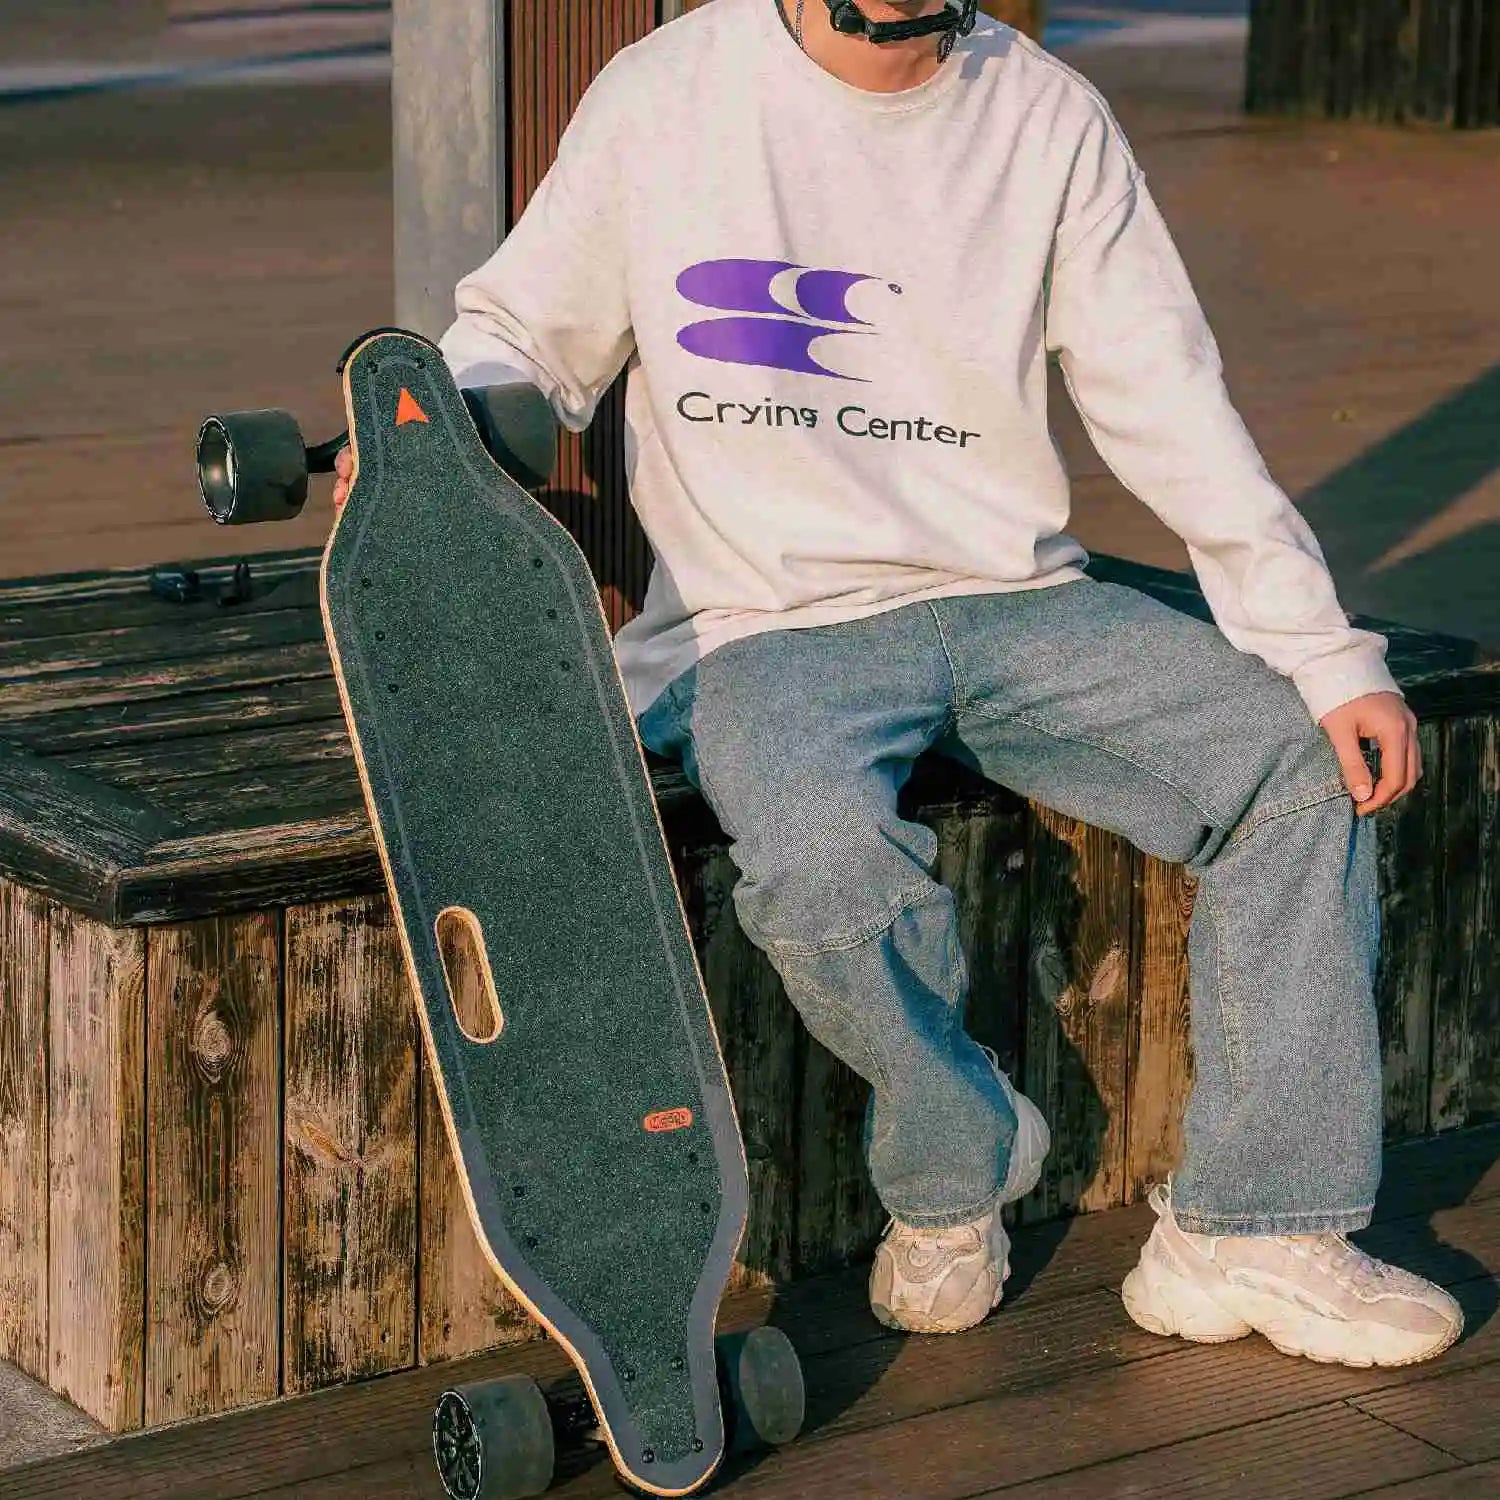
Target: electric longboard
[(588, 1109)]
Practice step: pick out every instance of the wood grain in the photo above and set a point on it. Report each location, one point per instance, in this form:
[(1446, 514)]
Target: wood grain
[(1466, 994), (1411, 932), (1078, 1009), (214, 1166), (97, 1223), (349, 1204), (1161, 1062), (24, 940), (839, 1216)]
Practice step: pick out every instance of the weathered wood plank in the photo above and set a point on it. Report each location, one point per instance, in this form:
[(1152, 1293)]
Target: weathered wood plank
[(251, 868), (1078, 1009), (1322, 1454), (250, 797), (1410, 838), (25, 599), (66, 835), (57, 661), (1453, 1412), (24, 961), (1466, 993), (163, 761), (757, 1031), (839, 1216), (97, 1219), (1468, 1483), (350, 1122), (1161, 1063), (143, 721), (137, 682), (214, 1201)]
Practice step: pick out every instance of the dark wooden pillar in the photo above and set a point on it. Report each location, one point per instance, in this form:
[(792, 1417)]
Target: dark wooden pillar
[(1387, 60)]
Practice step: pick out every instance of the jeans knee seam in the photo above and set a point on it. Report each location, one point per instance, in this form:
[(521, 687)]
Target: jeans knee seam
[(1329, 791), (1108, 747), (792, 948)]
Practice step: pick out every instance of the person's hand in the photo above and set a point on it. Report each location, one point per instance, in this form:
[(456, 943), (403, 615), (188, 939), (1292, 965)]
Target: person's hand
[(1384, 718), (343, 470)]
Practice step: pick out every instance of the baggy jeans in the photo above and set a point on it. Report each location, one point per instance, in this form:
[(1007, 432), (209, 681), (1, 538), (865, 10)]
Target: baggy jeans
[(1102, 703)]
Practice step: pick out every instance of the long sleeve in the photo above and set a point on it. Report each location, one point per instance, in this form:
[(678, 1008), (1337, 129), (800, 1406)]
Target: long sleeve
[(550, 305), (1144, 371)]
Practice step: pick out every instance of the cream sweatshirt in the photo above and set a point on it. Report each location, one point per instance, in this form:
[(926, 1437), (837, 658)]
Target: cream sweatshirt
[(837, 308)]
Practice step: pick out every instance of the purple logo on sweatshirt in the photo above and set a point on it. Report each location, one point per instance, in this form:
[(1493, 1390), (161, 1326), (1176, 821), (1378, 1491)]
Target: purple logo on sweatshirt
[(771, 332)]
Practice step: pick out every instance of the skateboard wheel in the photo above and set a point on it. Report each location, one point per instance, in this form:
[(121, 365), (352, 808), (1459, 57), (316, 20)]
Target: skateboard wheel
[(760, 1380), (252, 466), (493, 1440)]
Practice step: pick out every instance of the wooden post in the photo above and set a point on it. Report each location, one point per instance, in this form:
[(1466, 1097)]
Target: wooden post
[(449, 150), (1438, 61)]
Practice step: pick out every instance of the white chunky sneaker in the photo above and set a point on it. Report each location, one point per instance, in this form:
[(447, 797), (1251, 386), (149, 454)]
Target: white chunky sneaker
[(1313, 1295), (947, 1280)]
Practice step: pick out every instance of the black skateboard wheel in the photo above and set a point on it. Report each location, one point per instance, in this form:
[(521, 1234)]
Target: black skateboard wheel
[(760, 1380), (493, 1440), (252, 466)]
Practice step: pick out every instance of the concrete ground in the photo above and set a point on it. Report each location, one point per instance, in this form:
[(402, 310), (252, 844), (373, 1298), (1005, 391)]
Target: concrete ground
[(36, 1424)]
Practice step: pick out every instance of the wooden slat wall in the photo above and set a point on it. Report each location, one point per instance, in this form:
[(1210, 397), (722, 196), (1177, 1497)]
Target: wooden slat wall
[(349, 1211), (1435, 60), (1466, 994), (23, 1129), (213, 1219), (243, 1128), (97, 1169)]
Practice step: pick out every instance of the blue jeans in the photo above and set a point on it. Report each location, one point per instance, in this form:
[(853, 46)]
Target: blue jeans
[(1097, 701)]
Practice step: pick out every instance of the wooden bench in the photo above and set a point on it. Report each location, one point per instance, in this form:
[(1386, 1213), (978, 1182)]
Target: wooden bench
[(222, 1172)]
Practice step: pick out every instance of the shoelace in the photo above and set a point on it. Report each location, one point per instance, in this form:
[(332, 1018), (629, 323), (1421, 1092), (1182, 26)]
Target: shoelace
[(1350, 1266)]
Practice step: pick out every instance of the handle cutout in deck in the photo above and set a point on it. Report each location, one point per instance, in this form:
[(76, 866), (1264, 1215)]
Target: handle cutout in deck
[(466, 967)]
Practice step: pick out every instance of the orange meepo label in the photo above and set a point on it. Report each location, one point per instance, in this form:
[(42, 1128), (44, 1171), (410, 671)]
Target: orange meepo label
[(663, 1120)]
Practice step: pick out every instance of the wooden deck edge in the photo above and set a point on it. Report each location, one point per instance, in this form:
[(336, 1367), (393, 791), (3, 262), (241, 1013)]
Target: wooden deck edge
[(68, 836), (112, 855)]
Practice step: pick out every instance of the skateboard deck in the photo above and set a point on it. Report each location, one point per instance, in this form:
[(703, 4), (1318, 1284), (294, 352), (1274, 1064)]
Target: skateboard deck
[(594, 1131)]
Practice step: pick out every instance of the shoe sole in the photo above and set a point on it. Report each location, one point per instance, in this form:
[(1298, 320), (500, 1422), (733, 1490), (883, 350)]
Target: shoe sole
[(921, 1323), (1164, 1302)]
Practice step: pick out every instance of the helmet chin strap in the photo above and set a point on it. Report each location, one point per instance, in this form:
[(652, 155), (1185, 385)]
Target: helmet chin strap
[(958, 20)]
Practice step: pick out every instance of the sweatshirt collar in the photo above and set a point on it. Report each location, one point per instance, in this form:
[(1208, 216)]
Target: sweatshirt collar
[(791, 61)]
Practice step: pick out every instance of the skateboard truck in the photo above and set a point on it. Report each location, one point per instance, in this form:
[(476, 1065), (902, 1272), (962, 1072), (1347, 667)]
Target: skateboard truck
[(500, 1439), (253, 465)]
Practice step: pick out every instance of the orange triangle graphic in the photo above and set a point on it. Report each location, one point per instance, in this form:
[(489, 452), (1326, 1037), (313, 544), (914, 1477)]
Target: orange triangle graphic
[(407, 409)]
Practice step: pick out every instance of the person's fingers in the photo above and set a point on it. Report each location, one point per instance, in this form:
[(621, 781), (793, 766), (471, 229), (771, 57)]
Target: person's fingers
[(1345, 741), (1413, 761), (1394, 740), (343, 464)]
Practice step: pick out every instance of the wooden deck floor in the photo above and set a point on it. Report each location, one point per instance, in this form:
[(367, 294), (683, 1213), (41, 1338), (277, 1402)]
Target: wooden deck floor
[(1058, 1395)]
